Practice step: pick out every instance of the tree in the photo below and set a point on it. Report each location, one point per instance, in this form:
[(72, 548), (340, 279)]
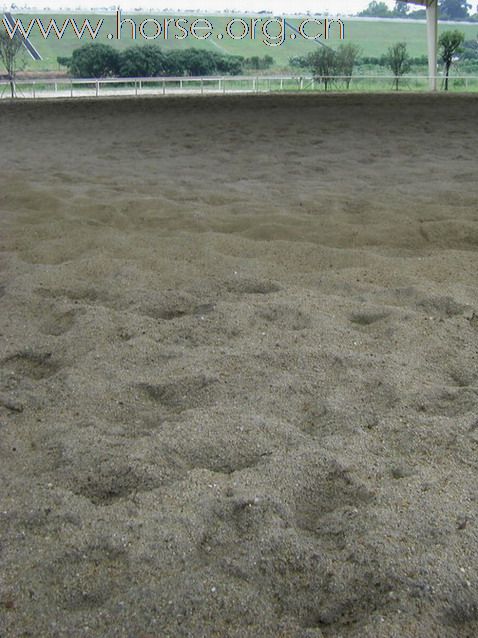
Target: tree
[(323, 63), (470, 50), (454, 9), (11, 55), (256, 63), (142, 61), (176, 62), (398, 60), (419, 14), (346, 59), (230, 64), (94, 61), (63, 61), (298, 62), (401, 9), (199, 62), (450, 43), (376, 10)]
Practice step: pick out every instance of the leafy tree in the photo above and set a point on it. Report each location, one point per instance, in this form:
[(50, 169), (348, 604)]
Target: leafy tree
[(199, 62), (142, 61), (323, 63), (419, 14), (94, 61), (376, 10), (176, 62), (63, 61), (421, 60), (398, 60), (254, 62), (299, 62), (230, 64), (450, 43), (454, 9), (257, 63), (346, 58), (371, 60), (401, 9), (12, 57), (470, 50)]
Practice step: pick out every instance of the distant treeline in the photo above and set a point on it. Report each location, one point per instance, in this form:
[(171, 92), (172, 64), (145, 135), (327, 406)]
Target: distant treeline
[(455, 10), (101, 60)]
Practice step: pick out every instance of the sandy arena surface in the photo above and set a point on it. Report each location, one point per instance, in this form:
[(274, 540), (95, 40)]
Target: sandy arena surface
[(239, 380)]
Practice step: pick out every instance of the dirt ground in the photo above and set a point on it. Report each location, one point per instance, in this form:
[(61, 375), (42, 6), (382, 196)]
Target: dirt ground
[(239, 375)]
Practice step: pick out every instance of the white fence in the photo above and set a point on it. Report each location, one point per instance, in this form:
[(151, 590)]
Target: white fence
[(65, 87)]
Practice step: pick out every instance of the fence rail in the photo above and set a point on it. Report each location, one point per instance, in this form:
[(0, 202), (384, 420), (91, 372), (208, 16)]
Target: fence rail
[(65, 87)]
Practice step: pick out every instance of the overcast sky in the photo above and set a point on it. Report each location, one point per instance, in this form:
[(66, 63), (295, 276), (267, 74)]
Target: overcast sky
[(276, 6)]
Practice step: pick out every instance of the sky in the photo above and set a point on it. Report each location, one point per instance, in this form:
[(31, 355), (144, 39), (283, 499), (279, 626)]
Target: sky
[(333, 7)]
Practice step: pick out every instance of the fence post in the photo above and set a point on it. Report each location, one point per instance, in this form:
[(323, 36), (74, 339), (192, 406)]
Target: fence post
[(224, 85), (33, 87), (56, 87), (71, 88), (97, 87), (202, 86), (164, 86)]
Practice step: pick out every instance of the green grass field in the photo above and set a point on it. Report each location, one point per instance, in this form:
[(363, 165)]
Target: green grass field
[(374, 37)]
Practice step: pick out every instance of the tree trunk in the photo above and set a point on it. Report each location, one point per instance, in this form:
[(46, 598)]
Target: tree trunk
[(446, 76), (12, 87)]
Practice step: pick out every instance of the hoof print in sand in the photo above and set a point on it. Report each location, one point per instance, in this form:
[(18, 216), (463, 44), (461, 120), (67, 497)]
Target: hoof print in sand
[(82, 580), (474, 320), (448, 401), (284, 317), (32, 365), (463, 612), (183, 394), (59, 323), (110, 484), (167, 313), (336, 490), (443, 307), (171, 312), (252, 287), (368, 317)]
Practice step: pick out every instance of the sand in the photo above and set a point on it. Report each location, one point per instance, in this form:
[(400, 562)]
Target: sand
[(239, 380)]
